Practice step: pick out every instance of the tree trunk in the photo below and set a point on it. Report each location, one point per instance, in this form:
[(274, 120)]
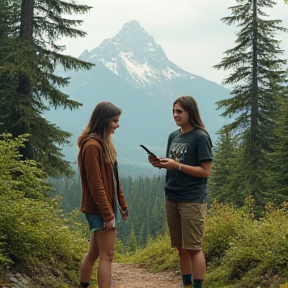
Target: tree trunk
[(254, 145), (255, 106), (24, 88), (26, 25)]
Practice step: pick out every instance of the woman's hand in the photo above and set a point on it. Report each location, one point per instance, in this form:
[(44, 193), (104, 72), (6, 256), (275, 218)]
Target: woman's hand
[(109, 224), (124, 214), (155, 161), (168, 163)]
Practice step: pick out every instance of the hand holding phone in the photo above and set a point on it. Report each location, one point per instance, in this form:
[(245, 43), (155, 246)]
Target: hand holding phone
[(148, 151), (152, 158)]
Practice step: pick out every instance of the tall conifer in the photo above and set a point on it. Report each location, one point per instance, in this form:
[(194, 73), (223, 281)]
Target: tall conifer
[(225, 185), (30, 63), (257, 75), (6, 31), (278, 188)]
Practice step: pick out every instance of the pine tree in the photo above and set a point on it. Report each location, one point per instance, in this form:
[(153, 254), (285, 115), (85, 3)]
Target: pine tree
[(278, 192), (132, 242), (30, 63), (4, 27), (6, 43), (225, 185), (257, 76)]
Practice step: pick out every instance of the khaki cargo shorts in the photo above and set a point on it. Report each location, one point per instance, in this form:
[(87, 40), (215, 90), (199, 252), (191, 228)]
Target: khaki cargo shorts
[(186, 224)]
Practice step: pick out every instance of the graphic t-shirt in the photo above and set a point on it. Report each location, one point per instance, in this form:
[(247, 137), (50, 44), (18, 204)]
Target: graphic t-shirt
[(190, 148)]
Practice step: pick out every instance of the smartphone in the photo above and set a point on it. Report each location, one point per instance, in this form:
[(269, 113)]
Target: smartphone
[(148, 151)]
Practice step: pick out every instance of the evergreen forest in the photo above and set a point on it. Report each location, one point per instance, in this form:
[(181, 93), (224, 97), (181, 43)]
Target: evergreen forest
[(42, 231)]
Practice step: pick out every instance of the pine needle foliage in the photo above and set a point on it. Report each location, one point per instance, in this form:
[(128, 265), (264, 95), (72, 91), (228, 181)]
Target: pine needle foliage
[(31, 57), (277, 183), (257, 77), (224, 182)]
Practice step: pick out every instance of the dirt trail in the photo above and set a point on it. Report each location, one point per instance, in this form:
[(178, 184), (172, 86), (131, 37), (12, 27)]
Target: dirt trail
[(129, 276)]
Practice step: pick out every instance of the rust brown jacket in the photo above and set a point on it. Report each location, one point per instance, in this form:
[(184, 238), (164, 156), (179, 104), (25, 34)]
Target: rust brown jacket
[(99, 186)]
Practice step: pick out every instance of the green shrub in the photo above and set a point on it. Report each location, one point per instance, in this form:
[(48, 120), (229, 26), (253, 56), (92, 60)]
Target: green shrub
[(222, 227), (33, 231), (157, 255), (257, 253)]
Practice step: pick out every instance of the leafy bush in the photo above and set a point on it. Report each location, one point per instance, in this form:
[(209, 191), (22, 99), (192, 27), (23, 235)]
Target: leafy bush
[(157, 255), (222, 227), (33, 231), (257, 253)]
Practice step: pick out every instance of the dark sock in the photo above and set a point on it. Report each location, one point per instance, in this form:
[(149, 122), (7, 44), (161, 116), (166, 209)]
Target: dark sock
[(198, 283), (84, 285), (187, 279)]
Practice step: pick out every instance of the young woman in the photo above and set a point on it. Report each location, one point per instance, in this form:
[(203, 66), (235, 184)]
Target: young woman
[(101, 191), (188, 165)]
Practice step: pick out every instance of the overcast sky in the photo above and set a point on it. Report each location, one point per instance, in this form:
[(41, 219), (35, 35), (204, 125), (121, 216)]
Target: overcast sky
[(189, 31)]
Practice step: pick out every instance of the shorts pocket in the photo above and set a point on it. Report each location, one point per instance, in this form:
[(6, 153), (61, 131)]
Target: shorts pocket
[(192, 211)]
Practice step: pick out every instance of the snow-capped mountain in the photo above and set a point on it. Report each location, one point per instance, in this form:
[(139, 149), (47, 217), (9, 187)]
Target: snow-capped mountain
[(132, 71), (135, 57)]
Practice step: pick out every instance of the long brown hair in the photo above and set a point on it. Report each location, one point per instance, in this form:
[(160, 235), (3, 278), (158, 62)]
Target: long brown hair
[(101, 115), (189, 104)]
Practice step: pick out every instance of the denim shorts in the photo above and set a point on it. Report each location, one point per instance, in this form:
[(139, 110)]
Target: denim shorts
[(186, 224), (95, 221)]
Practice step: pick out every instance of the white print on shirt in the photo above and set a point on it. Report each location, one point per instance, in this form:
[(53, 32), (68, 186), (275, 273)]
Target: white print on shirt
[(177, 151)]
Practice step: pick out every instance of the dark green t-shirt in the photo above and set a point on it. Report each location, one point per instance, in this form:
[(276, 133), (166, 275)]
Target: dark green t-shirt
[(190, 148)]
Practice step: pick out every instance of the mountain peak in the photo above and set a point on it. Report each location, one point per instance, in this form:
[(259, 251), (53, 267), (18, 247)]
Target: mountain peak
[(131, 39), (134, 56), (133, 29), (133, 24), (132, 32)]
